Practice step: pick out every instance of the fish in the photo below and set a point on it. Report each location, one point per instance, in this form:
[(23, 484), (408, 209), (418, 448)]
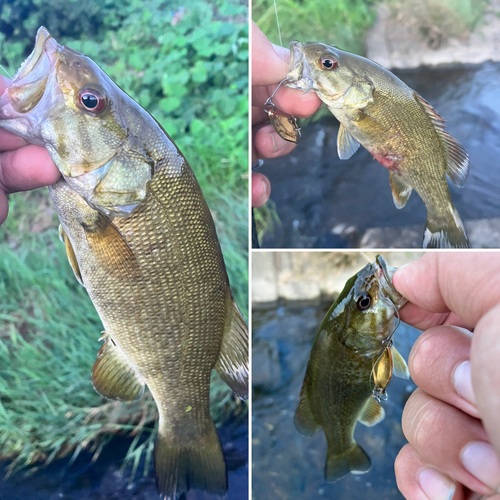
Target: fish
[(140, 238), (351, 363), (401, 130)]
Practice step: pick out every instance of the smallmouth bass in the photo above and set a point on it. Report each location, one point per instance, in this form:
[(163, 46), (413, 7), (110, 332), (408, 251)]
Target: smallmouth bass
[(140, 238), (351, 362), (399, 128)]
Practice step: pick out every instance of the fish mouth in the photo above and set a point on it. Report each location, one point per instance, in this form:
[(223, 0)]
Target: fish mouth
[(299, 71), (30, 81), (385, 275)]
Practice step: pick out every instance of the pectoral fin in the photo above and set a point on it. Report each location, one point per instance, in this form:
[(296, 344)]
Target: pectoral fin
[(304, 419), (347, 145), (400, 190), (232, 365), (112, 375), (457, 157), (71, 255), (400, 368), (372, 414)]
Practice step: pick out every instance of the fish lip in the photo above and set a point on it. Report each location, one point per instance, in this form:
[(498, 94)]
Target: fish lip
[(385, 277), (298, 71)]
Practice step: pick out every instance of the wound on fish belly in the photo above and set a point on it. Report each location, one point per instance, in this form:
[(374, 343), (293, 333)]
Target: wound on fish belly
[(390, 160)]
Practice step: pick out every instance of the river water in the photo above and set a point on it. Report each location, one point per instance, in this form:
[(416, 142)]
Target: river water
[(288, 465), (324, 202)]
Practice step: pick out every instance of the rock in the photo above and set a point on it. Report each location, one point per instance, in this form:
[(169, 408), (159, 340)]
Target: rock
[(266, 368), (300, 293), (264, 286)]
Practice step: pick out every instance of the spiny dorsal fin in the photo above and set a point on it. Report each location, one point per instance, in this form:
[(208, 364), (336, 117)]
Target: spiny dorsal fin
[(400, 190), (372, 414), (304, 419), (458, 159), (399, 366), (347, 145), (232, 365), (71, 255), (112, 375)]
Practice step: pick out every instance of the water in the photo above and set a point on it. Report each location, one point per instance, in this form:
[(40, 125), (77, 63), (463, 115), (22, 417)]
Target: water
[(101, 480), (288, 465), (326, 202)]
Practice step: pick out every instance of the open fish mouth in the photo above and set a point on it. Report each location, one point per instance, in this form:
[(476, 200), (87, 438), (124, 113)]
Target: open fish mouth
[(385, 274), (30, 81), (299, 74)]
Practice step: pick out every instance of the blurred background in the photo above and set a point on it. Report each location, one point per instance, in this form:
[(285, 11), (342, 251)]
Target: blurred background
[(291, 293), (187, 64), (446, 50)]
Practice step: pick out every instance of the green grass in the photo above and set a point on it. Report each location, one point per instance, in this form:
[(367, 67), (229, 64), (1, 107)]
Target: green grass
[(49, 329), (337, 22)]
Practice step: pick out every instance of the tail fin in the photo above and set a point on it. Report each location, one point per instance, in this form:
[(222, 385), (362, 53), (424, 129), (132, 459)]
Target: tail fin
[(181, 467), (354, 460), (445, 232)]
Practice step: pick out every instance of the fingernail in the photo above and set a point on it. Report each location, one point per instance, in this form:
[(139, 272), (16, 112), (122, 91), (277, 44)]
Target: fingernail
[(436, 485), (463, 382), (480, 459), (278, 142)]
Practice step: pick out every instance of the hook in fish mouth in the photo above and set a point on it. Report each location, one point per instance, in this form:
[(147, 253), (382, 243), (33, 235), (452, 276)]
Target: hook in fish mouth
[(310, 83)]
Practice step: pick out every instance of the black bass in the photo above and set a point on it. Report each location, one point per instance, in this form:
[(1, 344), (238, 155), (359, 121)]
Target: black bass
[(351, 363), (399, 128), (140, 238)]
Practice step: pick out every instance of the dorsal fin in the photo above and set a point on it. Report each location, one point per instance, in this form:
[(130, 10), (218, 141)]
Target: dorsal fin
[(457, 157)]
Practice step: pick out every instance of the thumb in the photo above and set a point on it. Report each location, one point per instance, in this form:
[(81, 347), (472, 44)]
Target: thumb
[(484, 359)]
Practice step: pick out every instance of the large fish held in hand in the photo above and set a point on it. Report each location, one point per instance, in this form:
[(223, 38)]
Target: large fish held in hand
[(399, 128), (350, 365), (140, 238)]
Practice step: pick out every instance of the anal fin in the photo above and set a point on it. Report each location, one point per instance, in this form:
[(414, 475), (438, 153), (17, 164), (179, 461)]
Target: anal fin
[(112, 375), (232, 365), (304, 419), (372, 414)]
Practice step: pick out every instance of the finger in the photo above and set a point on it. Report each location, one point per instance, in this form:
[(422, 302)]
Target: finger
[(261, 190), (268, 67), (417, 481), (423, 320), (439, 365), (269, 144), (452, 441), (26, 168), (10, 141), (463, 282), (484, 359), (4, 207)]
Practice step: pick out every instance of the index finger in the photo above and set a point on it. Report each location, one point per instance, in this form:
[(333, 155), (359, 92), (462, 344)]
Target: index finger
[(465, 283)]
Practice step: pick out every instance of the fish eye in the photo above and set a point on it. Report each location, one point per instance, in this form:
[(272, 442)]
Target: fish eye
[(92, 100), (364, 302), (329, 62)]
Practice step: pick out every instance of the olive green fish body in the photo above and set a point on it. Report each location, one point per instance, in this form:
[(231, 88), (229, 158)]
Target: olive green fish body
[(338, 386), (397, 126), (140, 238)]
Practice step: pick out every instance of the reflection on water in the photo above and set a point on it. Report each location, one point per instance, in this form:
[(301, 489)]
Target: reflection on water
[(319, 196), (288, 465)]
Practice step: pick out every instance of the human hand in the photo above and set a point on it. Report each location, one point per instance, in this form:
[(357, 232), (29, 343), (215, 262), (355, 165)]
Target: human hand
[(269, 68), (23, 166), (452, 421)]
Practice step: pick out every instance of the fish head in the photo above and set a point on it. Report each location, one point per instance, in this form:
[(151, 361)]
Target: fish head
[(330, 72), (62, 100), (367, 307)]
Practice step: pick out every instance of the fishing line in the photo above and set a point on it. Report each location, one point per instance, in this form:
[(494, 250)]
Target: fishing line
[(279, 33), (5, 71), (365, 256)]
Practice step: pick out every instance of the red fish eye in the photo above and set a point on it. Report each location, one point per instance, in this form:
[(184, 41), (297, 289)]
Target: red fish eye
[(92, 100), (329, 62), (364, 302)]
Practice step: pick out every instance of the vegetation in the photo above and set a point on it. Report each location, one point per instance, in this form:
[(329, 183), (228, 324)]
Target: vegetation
[(187, 67), (338, 22)]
